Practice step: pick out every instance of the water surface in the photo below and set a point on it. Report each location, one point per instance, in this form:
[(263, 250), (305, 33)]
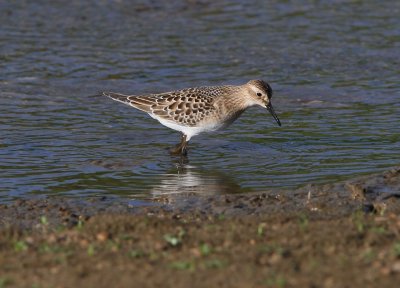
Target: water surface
[(333, 65)]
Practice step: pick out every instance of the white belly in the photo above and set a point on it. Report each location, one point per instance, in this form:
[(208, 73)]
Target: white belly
[(187, 130)]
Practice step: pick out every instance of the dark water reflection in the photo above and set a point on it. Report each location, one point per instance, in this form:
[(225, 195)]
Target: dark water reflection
[(334, 67)]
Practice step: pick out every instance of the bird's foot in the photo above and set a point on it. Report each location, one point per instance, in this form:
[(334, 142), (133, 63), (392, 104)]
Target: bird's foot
[(179, 150)]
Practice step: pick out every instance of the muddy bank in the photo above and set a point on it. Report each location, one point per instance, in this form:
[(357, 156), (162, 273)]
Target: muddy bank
[(377, 193), (186, 251), (339, 235)]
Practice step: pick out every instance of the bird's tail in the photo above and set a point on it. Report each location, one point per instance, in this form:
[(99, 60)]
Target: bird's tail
[(118, 97), (130, 100)]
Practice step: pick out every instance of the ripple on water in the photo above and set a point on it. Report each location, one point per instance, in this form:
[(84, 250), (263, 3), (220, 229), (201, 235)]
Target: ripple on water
[(333, 68)]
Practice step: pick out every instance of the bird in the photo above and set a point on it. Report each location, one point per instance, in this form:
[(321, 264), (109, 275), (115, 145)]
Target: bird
[(192, 111)]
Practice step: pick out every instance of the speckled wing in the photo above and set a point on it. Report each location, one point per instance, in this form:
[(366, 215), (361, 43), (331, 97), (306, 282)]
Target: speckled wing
[(186, 107)]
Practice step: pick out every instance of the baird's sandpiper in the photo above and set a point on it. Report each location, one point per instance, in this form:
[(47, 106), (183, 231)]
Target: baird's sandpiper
[(202, 109)]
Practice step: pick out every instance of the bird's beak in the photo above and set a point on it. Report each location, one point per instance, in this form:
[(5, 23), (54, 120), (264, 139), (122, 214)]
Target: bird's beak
[(271, 110)]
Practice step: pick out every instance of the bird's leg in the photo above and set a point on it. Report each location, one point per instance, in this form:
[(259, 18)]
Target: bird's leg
[(181, 148), (184, 146)]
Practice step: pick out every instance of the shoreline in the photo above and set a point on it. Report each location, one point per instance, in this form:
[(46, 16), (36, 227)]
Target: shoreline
[(322, 235)]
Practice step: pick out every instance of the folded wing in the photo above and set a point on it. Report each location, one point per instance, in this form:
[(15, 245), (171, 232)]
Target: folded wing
[(186, 107)]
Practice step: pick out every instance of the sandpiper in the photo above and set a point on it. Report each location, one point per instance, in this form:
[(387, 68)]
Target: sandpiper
[(202, 109)]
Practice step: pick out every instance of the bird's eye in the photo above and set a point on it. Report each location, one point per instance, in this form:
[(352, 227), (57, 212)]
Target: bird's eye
[(259, 94)]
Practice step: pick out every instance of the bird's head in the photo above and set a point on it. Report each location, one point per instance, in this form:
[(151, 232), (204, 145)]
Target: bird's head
[(261, 94)]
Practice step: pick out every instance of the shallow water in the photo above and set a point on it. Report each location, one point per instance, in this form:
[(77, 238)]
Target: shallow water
[(334, 68)]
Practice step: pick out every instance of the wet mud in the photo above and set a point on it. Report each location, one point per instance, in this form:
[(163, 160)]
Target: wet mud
[(337, 235)]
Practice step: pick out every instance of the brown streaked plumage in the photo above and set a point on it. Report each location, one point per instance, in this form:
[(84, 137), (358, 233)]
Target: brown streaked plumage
[(202, 109)]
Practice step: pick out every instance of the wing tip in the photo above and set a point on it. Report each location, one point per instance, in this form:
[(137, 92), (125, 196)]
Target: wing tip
[(116, 96)]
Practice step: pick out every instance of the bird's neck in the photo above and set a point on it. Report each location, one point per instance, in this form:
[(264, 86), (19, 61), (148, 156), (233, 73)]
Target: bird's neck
[(236, 102)]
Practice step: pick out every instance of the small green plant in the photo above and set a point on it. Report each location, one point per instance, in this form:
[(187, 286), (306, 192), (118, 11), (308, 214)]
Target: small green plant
[(379, 230), (396, 249), (60, 228), (368, 255), (44, 221), (205, 249), (136, 253), (61, 259), (126, 237), (277, 281), (44, 248), (358, 220), (90, 250), (303, 222), (153, 256), (172, 240), (4, 282), (80, 224), (183, 265), (214, 264), (273, 248), (261, 229), (175, 240), (20, 246)]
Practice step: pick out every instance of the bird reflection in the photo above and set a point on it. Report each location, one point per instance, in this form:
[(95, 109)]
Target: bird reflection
[(186, 179)]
